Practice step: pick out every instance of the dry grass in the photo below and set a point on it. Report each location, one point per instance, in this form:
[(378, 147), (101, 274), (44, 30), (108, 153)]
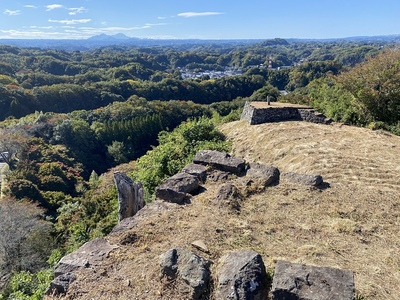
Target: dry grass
[(353, 224)]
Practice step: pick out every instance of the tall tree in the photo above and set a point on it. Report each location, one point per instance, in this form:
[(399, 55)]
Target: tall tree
[(375, 86)]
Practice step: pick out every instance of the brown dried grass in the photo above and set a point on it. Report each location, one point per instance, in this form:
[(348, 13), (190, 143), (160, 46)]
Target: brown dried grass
[(353, 224)]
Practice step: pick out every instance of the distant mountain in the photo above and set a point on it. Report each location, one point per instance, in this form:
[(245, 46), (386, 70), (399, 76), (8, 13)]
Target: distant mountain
[(106, 37), (120, 39)]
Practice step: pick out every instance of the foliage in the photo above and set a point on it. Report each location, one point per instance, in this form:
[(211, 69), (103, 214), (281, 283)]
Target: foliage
[(60, 81), (91, 216), (12, 140), (302, 75), (42, 172), (25, 239), (28, 286), (375, 86), (177, 149), (368, 94), (263, 93), (335, 102)]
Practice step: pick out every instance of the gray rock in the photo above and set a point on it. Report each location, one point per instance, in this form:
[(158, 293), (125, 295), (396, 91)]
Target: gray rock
[(178, 188), (154, 208), (60, 284), (89, 254), (267, 175), (215, 175), (229, 195), (189, 271), (200, 245), (302, 282), (220, 160), (130, 195), (304, 179), (242, 276), (197, 170)]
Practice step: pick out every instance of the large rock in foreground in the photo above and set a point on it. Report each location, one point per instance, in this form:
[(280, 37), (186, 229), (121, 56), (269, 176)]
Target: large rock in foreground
[(178, 188), (242, 276), (197, 170), (303, 179), (220, 160), (130, 195), (266, 175), (90, 254), (61, 284), (188, 271), (302, 282)]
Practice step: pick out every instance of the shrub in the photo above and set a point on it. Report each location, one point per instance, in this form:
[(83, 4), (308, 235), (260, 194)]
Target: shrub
[(177, 149), (21, 188)]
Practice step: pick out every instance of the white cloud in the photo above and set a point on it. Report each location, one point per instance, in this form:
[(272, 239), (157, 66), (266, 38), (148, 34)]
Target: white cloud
[(30, 6), (161, 18), (94, 30), (11, 12), (41, 27), (32, 34), (155, 24), (76, 10), (71, 22), (199, 14), (53, 6)]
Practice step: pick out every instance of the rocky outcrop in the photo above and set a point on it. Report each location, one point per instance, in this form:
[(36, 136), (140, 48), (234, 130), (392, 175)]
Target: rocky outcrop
[(304, 179), (265, 175), (229, 195), (178, 188), (130, 195), (302, 282), (241, 276), (61, 284), (197, 170), (155, 208), (189, 272), (88, 255), (220, 160)]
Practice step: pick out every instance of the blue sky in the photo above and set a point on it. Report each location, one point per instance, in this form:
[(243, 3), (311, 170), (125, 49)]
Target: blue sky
[(203, 19)]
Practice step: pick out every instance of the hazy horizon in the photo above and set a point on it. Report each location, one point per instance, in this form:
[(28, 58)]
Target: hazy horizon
[(210, 20)]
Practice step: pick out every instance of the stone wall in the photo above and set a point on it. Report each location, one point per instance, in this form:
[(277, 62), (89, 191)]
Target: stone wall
[(259, 114)]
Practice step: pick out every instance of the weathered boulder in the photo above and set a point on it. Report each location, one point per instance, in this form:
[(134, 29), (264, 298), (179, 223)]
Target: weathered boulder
[(130, 195), (266, 175), (178, 188), (229, 195), (149, 211), (89, 254), (304, 179), (190, 272), (242, 275), (220, 160), (215, 175), (61, 284), (197, 170), (302, 282)]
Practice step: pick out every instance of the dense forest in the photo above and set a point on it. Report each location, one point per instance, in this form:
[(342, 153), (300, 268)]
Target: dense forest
[(69, 117)]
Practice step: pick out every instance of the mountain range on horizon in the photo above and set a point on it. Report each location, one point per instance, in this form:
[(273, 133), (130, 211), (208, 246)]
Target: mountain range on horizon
[(121, 36), (120, 39)]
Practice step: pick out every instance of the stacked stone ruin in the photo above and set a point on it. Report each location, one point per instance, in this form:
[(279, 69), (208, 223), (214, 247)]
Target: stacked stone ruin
[(259, 112), (239, 275)]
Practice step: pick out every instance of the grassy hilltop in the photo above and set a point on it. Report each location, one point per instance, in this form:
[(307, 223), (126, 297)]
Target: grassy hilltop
[(353, 224)]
